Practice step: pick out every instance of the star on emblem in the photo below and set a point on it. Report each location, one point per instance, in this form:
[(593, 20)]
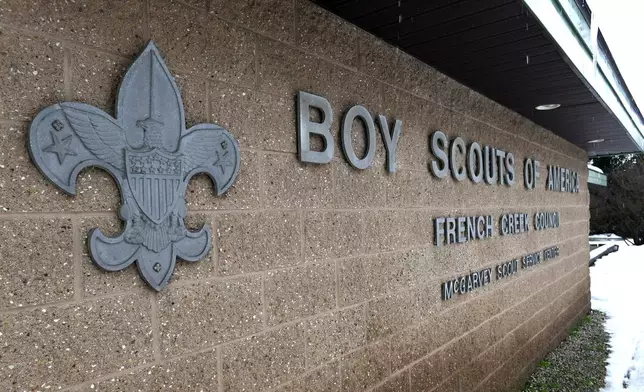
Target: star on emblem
[(60, 147), (223, 161)]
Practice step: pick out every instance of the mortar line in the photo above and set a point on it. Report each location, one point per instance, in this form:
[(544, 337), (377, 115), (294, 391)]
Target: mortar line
[(114, 56), (147, 20), (337, 283), (215, 245), (407, 368), (302, 237), (67, 73), (263, 278), (61, 39), (220, 370), (18, 123), (558, 337), (295, 322), (511, 332), (77, 260), (306, 344), (185, 283), (296, 14), (156, 329), (410, 365), (302, 51), (85, 384), (256, 61), (208, 102), (262, 179), (530, 340), (315, 261), (442, 212), (59, 304)]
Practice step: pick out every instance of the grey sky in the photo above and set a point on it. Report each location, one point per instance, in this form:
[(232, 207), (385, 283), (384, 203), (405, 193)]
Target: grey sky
[(621, 24)]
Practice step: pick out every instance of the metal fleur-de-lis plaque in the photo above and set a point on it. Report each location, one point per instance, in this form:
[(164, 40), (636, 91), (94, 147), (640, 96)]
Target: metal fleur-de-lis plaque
[(150, 154)]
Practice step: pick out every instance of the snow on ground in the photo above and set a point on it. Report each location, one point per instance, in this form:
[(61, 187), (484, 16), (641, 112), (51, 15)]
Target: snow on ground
[(617, 289)]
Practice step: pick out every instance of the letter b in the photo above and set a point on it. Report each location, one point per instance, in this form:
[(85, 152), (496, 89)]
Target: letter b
[(305, 127)]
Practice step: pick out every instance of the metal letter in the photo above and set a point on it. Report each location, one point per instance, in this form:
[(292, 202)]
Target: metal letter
[(471, 228), (391, 141), (439, 226), (489, 163), (474, 162), (480, 225), (347, 148), (504, 225), (489, 226), (537, 165), (509, 168), (450, 231), (500, 154), (475, 280), (458, 145), (151, 156), (528, 174), (438, 151), (305, 127), (447, 289), (460, 221)]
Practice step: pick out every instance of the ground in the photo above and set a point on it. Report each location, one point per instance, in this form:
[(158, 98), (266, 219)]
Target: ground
[(617, 289), (578, 364), (606, 352)]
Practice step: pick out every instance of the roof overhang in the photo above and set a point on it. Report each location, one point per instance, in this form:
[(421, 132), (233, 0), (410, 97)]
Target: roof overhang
[(521, 54), (569, 28)]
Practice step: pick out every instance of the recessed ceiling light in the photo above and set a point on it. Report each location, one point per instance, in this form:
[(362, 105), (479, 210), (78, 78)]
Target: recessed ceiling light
[(548, 106), (595, 141)]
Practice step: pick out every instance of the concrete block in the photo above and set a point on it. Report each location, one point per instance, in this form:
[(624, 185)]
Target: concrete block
[(256, 119), (324, 379), (365, 367), (257, 241), (32, 69), (104, 24), (201, 45), (35, 270), (291, 184), (195, 372), (299, 292), (324, 34), (24, 189), (389, 314), (197, 316), (274, 18), (334, 334), (330, 234), (397, 383), (265, 360), (62, 346), (243, 194), (96, 77)]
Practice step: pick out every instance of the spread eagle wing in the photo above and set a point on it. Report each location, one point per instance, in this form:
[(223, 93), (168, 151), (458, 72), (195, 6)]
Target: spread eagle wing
[(210, 148), (99, 133), (200, 147)]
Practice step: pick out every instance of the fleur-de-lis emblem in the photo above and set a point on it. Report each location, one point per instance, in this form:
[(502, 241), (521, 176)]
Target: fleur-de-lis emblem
[(151, 155)]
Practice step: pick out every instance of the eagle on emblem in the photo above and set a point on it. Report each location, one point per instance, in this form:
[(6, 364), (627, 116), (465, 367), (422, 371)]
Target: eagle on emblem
[(151, 156)]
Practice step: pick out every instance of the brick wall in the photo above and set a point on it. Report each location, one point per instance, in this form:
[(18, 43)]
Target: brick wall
[(321, 278)]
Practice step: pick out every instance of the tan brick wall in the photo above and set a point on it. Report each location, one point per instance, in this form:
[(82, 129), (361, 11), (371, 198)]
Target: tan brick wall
[(321, 278)]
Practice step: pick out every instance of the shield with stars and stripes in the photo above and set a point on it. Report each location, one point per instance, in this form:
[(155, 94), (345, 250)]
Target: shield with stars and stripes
[(155, 179)]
